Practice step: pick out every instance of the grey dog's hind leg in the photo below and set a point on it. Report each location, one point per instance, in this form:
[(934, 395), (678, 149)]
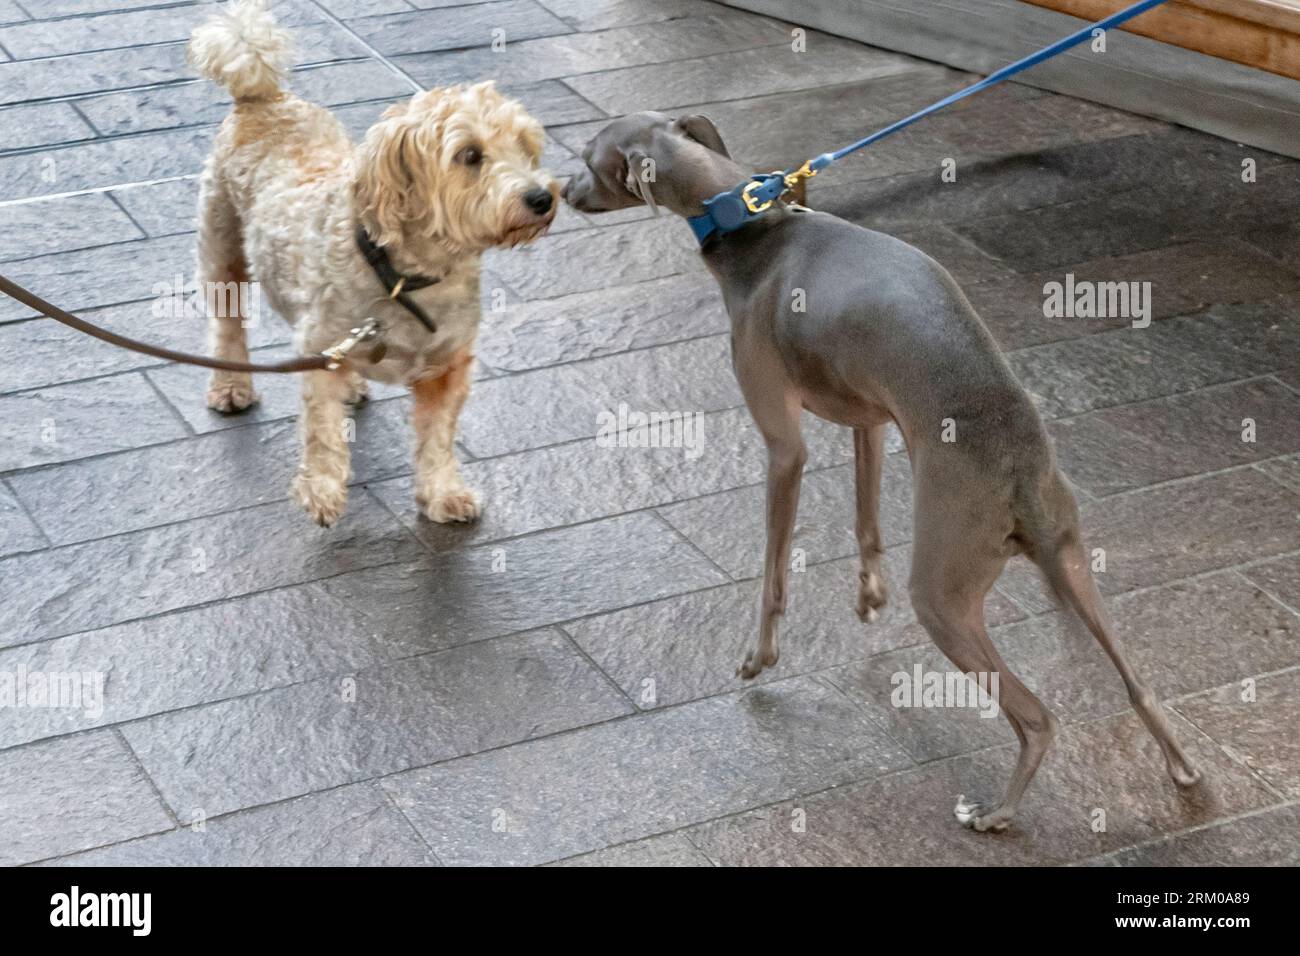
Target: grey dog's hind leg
[(1066, 569), (957, 557), (869, 454)]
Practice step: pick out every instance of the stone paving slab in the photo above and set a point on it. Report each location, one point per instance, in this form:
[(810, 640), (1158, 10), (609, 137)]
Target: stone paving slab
[(729, 526), (905, 819), (1285, 471), (1185, 278), (41, 817), (606, 14), (271, 638), (571, 54), (44, 124), (1126, 447), (578, 481), (525, 583), (552, 405), (221, 471), (180, 565), (1240, 208), (17, 530), (283, 743), (358, 8), (349, 826), (551, 102), (735, 74), (624, 253), (769, 131), (555, 684), (1247, 720), (102, 276), (1167, 358), (92, 73), (453, 28), (631, 778), (52, 9), (127, 67), (41, 352), (1280, 578), (689, 647), (210, 653), (67, 422), (192, 104), (1236, 631), (111, 30), (185, 387), (1024, 190), (672, 849), (62, 225), (103, 163), (1268, 838), (583, 325), (1161, 534), (162, 209)]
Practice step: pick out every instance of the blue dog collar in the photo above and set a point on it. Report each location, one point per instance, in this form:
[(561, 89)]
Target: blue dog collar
[(729, 211)]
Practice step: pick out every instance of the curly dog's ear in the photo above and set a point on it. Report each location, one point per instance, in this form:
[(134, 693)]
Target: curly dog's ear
[(701, 129), (384, 187)]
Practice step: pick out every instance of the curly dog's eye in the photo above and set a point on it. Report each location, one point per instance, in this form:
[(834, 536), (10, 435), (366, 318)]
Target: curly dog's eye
[(470, 156)]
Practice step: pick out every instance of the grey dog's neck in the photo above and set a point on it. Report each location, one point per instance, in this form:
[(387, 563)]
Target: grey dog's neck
[(698, 173)]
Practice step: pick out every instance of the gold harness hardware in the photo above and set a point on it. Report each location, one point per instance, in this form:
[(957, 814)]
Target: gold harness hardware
[(803, 172), (791, 180)]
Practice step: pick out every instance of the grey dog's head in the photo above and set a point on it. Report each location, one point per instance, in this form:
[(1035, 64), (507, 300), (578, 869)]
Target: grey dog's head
[(649, 159)]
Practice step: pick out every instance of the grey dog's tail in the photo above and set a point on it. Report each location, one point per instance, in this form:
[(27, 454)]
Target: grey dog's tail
[(243, 49)]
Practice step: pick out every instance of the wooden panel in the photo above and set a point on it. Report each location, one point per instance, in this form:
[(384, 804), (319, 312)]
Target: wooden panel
[(1280, 14), (1261, 33)]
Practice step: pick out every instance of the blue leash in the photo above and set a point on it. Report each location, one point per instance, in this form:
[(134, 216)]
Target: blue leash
[(728, 211)]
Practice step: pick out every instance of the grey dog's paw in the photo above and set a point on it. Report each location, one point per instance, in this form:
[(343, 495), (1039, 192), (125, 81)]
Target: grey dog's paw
[(872, 595), (1184, 773), (754, 663), (976, 817)]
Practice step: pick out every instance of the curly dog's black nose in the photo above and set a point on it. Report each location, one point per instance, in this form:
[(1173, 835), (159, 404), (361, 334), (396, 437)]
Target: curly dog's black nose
[(538, 200)]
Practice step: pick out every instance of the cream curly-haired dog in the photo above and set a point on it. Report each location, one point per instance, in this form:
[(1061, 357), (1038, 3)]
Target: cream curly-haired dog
[(336, 233)]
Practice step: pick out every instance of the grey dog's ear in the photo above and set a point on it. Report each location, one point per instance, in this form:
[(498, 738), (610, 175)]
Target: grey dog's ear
[(701, 129), (640, 174)]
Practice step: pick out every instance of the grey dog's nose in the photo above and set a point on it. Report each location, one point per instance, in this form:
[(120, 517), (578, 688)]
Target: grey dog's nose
[(538, 200)]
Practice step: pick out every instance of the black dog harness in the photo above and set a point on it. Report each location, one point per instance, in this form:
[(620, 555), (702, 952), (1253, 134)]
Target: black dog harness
[(395, 284)]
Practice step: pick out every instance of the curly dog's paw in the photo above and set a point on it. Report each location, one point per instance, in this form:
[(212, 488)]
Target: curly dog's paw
[(450, 506), (322, 498), (230, 398)]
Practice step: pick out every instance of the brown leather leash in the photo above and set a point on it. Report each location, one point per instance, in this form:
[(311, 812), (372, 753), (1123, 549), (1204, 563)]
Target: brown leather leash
[(328, 361)]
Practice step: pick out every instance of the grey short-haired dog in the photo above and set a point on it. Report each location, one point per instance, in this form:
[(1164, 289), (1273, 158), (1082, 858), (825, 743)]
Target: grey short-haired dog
[(885, 336)]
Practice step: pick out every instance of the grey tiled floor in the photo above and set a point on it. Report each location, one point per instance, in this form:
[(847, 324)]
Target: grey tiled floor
[(556, 683)]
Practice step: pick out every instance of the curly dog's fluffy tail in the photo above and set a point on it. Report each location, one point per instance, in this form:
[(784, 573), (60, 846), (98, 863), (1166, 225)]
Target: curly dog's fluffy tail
[(243, 49)]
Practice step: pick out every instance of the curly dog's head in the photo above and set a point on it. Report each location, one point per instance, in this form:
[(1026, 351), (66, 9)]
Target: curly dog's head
[(458, 164)]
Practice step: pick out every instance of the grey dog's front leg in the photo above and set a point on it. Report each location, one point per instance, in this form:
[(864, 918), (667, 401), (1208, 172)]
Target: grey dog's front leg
[(785, 460)]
